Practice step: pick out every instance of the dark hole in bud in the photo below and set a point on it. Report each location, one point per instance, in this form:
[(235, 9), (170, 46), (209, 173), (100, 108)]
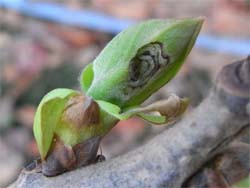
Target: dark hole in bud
[(148, 60)]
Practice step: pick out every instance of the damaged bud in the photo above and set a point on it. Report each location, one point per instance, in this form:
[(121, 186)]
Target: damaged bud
[(140, 60)]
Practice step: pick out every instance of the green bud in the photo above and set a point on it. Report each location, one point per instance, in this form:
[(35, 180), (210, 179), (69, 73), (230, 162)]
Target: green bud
[(140, 60)]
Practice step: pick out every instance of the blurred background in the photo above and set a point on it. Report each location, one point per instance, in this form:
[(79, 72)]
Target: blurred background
[(45, 44)]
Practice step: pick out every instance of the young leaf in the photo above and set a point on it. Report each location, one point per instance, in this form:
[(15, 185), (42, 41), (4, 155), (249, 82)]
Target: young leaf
[(168, 110), (47, 116), (110, 108), (140, 60), (155, 119)]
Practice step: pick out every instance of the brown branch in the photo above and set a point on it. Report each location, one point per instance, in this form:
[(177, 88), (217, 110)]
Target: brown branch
[(227, 168), (176, 154)]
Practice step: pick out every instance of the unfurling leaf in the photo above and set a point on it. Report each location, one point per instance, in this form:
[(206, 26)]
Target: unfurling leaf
[(47, 116), (167, 110)]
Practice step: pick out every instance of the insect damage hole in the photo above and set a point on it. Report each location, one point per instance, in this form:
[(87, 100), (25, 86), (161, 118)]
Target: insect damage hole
[(148, 60)]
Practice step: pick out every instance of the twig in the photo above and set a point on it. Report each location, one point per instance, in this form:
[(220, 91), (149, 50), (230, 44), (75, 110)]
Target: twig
[(173, 156)]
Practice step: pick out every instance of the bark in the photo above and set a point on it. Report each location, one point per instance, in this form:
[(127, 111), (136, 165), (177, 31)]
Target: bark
[(173, 156)]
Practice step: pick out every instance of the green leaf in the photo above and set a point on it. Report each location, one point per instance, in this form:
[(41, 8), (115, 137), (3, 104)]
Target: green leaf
[(110, 108), (141, 59), (87, 77), (156, 119), (47, 116), (115, 111), (168, 110)]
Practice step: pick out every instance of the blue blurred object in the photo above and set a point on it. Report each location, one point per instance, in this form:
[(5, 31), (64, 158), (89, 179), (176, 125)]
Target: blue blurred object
[(96, 21), (56, 13), (234, 46)]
